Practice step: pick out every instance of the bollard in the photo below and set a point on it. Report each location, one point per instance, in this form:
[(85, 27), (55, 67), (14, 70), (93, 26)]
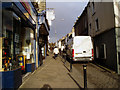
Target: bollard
[(70, 65), (85, 75)]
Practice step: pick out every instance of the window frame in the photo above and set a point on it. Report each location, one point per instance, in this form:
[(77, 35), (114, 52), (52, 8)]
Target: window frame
[(104, 51)]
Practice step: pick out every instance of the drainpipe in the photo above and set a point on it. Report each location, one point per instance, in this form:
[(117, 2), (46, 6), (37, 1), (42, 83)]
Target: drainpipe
[(0, 36), (34, 49), (38, 43), (36, 36)]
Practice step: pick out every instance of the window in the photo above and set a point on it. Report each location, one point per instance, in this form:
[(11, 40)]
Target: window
[(97, 24), (102, 51), (90, 28), (97, 52), (10, 40), (119, 57), (93, 8), (70, 36), (119, 4), (85, 23), (7, 40)]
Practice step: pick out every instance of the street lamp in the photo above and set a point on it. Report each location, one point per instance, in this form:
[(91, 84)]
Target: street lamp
[(56, 32), (51, 17)]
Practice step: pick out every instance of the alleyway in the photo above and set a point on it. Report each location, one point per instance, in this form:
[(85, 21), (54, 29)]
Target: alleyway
[(52, 74)]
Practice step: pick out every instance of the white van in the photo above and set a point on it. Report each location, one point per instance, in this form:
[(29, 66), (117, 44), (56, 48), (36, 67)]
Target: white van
[(80, 48)]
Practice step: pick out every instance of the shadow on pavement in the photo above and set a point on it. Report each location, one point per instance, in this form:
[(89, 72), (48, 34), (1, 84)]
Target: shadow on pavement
[(66, 67), (75, 81), (62, 61)]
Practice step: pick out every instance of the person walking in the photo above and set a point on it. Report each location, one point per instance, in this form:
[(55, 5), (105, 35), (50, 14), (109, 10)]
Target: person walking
[(62, 48), (56, 52)]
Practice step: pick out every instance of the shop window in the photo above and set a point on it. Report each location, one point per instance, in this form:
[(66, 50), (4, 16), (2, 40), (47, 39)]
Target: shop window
[(11, 42), (7, 40), (16, 41)]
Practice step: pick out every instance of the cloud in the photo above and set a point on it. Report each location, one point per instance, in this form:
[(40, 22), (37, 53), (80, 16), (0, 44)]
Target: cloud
[(66, 14)]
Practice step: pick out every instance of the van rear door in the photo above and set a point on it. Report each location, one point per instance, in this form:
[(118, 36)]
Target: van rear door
[(82, 47)]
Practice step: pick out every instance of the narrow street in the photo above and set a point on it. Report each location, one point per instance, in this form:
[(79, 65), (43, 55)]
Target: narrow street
[(84, 35), (52, 74), (99, 77), (55, 74)]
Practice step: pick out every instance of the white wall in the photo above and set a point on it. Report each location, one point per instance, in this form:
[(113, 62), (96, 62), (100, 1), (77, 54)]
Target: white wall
[(59, 44), (117, 12)]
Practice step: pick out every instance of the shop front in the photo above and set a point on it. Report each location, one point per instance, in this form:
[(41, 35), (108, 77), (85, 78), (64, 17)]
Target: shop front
[(43, 39), (16, 42)]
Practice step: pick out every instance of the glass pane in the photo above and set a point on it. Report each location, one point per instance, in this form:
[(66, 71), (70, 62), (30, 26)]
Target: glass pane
[(7, 44)]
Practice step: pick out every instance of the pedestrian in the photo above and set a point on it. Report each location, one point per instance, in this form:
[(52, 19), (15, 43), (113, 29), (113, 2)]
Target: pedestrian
[(62, 48), (56, 52), (64, 52), (60, 51)]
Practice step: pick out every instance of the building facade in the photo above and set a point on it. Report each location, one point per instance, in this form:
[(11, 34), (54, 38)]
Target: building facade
[(21, 27), (17, 42), (81, 25), (42, 32), (104, 28)]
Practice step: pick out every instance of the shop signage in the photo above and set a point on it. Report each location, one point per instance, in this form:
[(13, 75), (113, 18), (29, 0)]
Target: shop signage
[(16, 38), (28, 8), (26, 5)]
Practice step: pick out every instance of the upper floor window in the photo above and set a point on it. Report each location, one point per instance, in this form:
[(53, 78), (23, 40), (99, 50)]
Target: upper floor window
[(97, 24), (93, 7), (90, 28), (85, 23), (70, 36)]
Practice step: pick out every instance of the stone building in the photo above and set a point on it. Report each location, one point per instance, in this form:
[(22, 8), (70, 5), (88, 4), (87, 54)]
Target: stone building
[(81, 24), (104, 28)]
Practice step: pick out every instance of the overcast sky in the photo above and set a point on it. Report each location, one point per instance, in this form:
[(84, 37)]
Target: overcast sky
[(66, 14)]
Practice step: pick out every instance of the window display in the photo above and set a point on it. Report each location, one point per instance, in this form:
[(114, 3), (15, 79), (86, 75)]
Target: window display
[(6, 53), (11, 41), (17, 41)]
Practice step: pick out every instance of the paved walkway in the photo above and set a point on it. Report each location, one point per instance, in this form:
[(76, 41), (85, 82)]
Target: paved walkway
[(52, 74)]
